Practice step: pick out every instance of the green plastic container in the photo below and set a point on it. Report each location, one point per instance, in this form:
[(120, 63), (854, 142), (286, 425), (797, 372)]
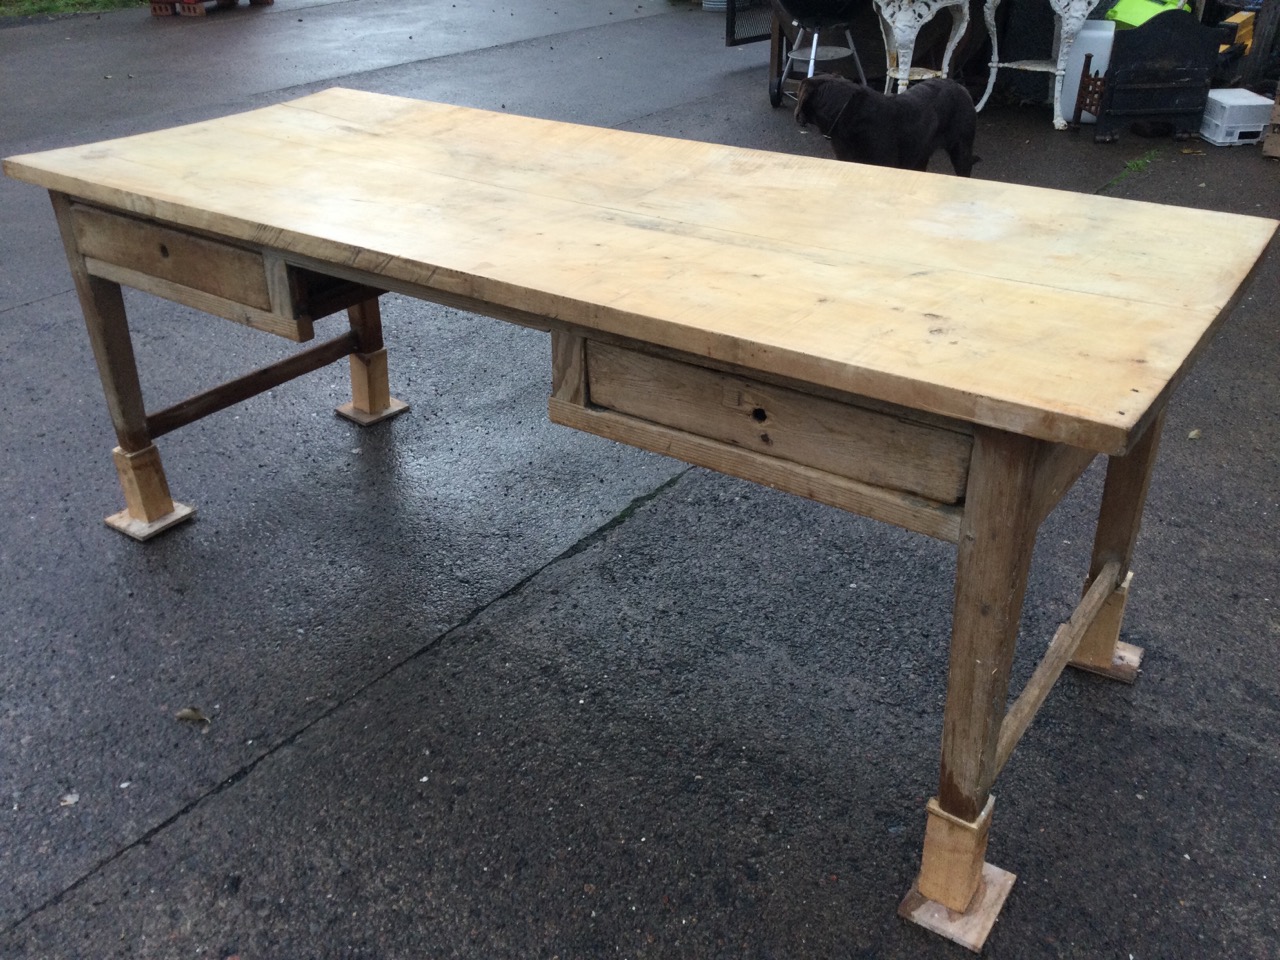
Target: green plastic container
[(1134, 13)]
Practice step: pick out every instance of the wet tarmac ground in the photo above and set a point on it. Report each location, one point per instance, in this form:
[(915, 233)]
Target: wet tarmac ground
[(479, 686)]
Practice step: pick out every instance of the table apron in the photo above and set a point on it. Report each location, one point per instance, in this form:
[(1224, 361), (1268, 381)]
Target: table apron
[(861, 459), (251, 285)]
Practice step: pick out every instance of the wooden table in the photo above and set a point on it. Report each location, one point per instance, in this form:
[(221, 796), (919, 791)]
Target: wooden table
[(947, 355)]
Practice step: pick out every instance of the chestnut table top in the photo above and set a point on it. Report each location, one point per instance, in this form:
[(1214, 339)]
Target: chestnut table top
[(1055, 315)]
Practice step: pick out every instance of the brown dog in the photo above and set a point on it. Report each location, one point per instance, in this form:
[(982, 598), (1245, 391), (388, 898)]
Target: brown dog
[(903, 131)]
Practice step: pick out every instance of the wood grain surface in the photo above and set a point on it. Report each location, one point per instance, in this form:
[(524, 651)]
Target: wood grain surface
[(1052, 314)]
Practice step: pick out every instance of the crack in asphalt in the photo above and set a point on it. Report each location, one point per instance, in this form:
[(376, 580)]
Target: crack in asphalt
[(583, 543)]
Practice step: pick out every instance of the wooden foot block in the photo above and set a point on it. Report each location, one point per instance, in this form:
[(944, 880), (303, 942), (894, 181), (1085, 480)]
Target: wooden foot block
[(370, 390), (357, 416), (162, 10), (1097, 648), (1126, 661), (970, 928), (954, 849), (150, 509), (146, 491), (141, 530), (1101, 650)]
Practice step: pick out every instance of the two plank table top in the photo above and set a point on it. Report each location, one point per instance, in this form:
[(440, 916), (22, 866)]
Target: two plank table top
[(947, 355)]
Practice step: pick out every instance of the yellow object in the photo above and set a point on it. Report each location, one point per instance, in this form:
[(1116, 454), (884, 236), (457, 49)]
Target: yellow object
[(1244, 30)]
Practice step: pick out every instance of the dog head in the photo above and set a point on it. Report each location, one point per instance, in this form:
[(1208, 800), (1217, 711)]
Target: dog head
[(820, 98), (804, 99)]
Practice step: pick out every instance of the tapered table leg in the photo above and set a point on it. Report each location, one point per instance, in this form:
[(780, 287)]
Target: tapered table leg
[(958, 894), (371, 400), (1124, 495), (149, 508)]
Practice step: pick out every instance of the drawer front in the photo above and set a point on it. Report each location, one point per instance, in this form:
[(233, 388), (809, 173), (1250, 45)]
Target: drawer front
[(856, 443), (228, 272)]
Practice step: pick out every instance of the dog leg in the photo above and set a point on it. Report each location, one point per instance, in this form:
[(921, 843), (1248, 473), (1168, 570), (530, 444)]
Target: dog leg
[(962, 158)]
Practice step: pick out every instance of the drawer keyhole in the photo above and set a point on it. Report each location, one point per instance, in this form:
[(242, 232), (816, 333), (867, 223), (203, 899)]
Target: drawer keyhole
[(759, 415), (164, 251)]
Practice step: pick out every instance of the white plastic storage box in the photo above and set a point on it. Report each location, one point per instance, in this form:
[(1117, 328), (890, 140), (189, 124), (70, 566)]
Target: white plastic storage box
[(1233, 117)]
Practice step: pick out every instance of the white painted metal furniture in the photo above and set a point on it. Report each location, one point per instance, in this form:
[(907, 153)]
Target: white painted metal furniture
[(1069, 17), (900, 24)]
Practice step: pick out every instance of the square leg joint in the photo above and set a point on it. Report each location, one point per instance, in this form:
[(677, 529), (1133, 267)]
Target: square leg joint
[(957, 895), (149, 509), (371, 400), (951, 866), (1101, 650), (971, 928)]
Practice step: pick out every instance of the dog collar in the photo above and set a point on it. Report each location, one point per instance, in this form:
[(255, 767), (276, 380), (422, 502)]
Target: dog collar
[(839, 116)]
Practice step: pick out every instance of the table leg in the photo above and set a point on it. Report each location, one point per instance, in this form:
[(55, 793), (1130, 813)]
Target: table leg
[(149, 508), (1124, 495), (370, 388), (957, 894)]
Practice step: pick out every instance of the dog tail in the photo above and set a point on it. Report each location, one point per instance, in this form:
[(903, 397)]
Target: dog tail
[(963, 163)]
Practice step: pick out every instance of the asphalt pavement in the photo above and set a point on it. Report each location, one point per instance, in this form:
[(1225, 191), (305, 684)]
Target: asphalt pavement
[(479, 686)]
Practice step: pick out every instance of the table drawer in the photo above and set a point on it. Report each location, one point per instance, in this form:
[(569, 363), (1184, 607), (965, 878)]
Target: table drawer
[(849, 441), (256, 287), (173, 256)]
